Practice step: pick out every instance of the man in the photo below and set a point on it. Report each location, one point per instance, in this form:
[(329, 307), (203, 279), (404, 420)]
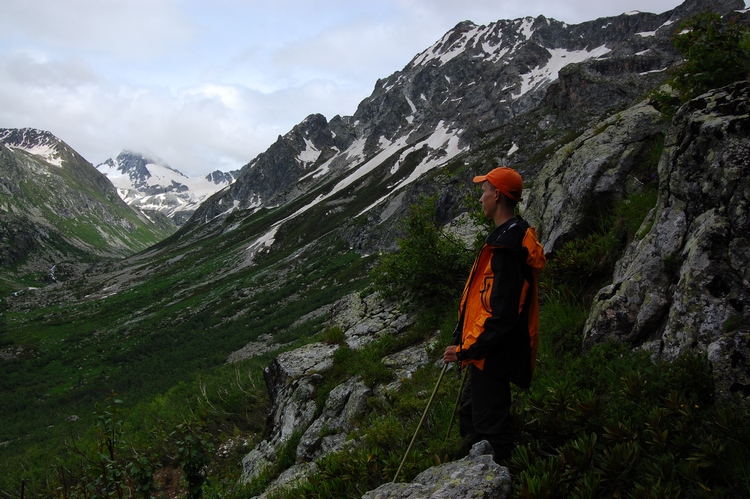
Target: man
[(495, 338)]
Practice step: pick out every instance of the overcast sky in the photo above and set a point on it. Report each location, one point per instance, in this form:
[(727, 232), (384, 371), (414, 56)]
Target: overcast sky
[(209, 84)]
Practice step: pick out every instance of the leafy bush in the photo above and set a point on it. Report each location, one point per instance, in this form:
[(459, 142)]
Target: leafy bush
[(107, 467), (430, 266), (637, 429), (717, 53)]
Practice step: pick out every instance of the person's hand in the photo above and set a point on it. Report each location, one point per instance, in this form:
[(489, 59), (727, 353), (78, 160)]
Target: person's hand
[(450, 354)]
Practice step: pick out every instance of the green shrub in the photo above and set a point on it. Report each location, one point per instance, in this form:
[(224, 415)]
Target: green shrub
[(333, 335), (614, 423), (105, 465), (561, 320), (717, 53), (430, 266)]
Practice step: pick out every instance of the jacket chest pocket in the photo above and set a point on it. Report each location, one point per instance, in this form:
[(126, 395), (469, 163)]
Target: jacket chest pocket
[(485, 291)]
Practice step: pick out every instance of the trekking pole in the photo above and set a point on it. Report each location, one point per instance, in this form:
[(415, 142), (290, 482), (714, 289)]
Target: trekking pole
[(424, 414), (458, 401)]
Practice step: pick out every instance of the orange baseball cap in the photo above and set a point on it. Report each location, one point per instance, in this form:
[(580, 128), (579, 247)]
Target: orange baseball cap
[(504, 179)]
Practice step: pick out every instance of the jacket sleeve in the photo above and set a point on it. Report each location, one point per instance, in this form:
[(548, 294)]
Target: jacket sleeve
[(504, 299)]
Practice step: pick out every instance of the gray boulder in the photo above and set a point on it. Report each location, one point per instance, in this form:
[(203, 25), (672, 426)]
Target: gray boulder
[(292, 381), (328, 432), (476, 476)]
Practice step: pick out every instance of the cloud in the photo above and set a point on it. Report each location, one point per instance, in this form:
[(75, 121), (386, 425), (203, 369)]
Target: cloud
[(28, 69), (128, 29)]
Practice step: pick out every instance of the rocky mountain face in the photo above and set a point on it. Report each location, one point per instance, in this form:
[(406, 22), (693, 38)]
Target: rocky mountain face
[(159, 190), (56, 209), (684, 285), (455, 94)]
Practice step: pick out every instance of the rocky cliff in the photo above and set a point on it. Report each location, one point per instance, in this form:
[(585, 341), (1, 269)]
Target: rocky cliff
[(684, 286)]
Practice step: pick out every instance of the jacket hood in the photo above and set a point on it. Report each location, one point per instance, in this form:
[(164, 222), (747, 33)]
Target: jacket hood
[(517, 236), (509, 234)]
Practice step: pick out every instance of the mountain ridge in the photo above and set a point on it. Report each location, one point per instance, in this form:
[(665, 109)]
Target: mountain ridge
[(483, 78)]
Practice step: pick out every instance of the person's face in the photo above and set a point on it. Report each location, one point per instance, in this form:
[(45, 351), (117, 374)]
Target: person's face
[(489, 199)]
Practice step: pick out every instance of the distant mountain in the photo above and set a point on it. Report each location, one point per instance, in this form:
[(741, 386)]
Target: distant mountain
[(56, 208), (151, 186)]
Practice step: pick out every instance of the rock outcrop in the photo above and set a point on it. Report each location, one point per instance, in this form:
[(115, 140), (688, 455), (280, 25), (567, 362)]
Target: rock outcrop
[(292, 381), (294, 378), (586, 176), (685, 285), (476, 476), (364, 320)]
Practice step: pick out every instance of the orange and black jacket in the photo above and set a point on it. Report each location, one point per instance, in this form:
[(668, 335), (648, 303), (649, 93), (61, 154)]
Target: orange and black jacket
[(498, 314)]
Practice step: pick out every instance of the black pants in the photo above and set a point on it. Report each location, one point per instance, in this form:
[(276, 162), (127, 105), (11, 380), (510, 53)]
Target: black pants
[(485, 412)]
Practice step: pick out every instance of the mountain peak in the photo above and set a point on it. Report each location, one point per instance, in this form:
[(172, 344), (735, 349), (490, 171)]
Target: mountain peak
[(152, 186), (37, 142)]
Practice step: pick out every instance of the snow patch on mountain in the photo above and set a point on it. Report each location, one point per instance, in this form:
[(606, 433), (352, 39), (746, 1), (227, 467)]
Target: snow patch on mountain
[(44, 151), (309, 155), (559, 59), (35, 142)]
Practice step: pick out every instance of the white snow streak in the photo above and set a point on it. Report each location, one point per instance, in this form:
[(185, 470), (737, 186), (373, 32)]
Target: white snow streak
[(444, 53), (44, 151), (526, 25), (410, 118), (560, 58), (441, 138), (309, 155), (266, 240)]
